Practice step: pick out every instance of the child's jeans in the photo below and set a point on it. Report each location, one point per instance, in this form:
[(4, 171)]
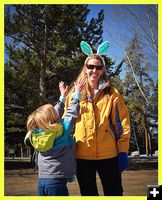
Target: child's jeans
[(52, 187)]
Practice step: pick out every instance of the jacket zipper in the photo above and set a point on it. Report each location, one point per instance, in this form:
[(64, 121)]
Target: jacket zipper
[(95, 124)]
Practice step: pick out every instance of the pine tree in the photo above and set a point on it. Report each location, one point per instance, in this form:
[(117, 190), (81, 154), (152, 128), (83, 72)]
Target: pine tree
[(43, 47), (45, 42)]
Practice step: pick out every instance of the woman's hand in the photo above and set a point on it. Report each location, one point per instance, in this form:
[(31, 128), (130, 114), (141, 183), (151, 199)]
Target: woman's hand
[(63, 89), (79, 85)]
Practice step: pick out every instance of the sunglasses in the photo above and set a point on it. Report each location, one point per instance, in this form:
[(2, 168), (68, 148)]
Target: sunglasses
[(98, 67)]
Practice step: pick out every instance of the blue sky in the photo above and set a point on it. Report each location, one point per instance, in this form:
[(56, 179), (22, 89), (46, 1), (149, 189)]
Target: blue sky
[(116, 29), (109, 11)]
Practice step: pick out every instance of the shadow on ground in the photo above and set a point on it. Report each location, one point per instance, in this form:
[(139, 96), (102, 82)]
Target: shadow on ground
[(143, 165), (133, 165), (14, 164)]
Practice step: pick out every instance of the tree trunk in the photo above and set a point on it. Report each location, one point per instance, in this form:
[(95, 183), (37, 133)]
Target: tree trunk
[(134, 132), (42, 81), (21, 150), (147, 137), (146, 141), (42, 70)]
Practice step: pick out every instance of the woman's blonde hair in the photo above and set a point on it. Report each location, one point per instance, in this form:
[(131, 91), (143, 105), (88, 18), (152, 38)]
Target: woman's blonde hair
[(44, 117), (85, 91)]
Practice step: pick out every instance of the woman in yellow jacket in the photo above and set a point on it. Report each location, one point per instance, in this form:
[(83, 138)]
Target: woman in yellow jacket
[(102, 130)]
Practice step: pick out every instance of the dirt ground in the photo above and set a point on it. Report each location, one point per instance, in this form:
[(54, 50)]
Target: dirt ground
[(21, 180)]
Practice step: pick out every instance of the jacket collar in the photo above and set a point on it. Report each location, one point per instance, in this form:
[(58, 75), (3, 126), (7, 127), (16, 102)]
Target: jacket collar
[(102, 86)]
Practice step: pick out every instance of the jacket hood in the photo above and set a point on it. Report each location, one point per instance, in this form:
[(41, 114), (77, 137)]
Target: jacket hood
[(43, 140)]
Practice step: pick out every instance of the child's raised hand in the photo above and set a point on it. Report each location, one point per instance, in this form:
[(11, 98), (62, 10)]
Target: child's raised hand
[(79, 85), (63, 89)]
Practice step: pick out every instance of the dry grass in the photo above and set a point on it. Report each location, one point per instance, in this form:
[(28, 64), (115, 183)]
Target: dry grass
[(20, 180)]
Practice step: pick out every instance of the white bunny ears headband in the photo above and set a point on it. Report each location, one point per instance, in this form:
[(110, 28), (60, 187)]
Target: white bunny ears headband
[(85, 47)]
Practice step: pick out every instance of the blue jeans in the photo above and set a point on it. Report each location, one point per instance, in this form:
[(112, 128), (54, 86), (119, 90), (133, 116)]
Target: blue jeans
[(52, 187)]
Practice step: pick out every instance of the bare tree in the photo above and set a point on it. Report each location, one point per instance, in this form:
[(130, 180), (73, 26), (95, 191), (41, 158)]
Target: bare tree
[(141, 20)]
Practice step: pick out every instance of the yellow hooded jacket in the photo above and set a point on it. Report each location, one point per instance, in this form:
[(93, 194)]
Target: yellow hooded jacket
[(103, 127)]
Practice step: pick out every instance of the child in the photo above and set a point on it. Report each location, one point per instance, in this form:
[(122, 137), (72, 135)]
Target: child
[(51, 137)]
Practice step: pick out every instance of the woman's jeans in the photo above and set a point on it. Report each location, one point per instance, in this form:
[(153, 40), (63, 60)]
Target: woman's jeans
[(52, 187), (108, 172)]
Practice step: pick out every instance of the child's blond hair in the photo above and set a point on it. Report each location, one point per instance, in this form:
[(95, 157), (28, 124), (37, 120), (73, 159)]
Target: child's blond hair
[(44, 117)]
